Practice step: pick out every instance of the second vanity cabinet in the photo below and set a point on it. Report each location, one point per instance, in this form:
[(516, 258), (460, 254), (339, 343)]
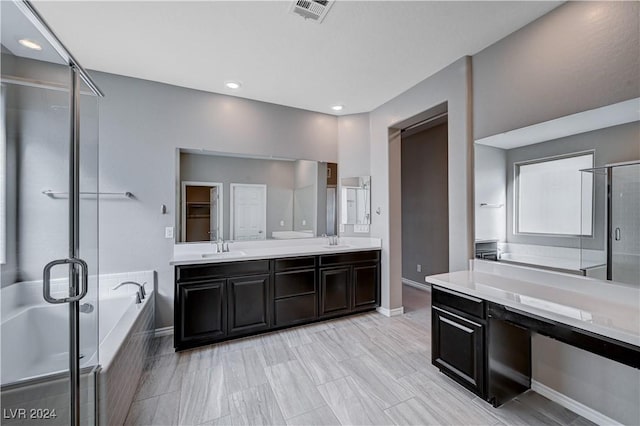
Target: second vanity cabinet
[(220, 301), (349, 282)]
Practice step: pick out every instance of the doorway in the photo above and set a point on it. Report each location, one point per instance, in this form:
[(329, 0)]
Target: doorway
[(201, 211), (425, 205), (248, 211)]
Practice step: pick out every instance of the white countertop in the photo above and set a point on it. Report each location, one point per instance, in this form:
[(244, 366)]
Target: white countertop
[(601, 307), (189, 254)]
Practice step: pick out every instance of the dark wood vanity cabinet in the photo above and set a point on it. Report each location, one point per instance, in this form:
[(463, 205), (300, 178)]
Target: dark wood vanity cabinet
[(219, 301), (295, 291), (458, 328), (349, 282), (474, 346)]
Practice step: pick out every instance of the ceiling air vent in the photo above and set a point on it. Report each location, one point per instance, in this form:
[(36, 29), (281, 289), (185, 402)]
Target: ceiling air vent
[(315, 10)]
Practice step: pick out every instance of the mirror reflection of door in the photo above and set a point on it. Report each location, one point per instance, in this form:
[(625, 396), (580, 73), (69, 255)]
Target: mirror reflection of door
[(248, 211), (201, 211)]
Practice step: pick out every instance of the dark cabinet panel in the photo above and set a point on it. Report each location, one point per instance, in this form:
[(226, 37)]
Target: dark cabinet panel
[(335, 291), (365, 287), (458, 349), (248, 304), (349, 258), (294, 283), (220, 270), (289, 263), (203, 311), (294, 310)]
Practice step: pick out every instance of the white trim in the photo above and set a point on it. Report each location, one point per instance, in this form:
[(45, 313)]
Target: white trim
[(183, 205), (415, 284), (391, 312), (571, 404), (232, 187), (163, 331)]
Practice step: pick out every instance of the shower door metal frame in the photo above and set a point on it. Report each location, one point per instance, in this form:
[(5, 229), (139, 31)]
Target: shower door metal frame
[(78, 270)]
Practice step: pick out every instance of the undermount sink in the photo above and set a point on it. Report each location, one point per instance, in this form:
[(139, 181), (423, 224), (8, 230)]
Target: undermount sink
[(339, 246), (235, 253)]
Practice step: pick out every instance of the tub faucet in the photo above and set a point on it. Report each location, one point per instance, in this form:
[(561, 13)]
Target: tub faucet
[(140, 293)]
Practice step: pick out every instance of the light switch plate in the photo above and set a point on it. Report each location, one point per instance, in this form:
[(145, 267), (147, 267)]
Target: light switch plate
[(168, 232)]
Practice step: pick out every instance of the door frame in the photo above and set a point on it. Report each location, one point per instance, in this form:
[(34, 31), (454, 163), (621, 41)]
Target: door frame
[(183, 205), (232, 187)]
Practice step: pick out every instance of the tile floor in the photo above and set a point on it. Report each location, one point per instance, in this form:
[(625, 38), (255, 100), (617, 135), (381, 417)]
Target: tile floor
[(361, 370)]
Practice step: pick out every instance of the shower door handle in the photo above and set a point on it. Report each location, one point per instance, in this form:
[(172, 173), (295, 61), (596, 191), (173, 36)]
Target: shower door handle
[(46, 280), (617, 234)]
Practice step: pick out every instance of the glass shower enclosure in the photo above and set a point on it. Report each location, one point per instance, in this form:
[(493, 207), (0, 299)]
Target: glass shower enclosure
[(48, 226), (613, 251)]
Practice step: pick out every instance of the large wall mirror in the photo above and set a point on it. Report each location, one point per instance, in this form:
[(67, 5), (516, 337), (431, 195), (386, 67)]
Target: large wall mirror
[(356, 200), (239, 198), (541, 194)]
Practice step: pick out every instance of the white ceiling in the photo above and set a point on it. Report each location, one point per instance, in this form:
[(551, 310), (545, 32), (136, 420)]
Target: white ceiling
[(362, 55)]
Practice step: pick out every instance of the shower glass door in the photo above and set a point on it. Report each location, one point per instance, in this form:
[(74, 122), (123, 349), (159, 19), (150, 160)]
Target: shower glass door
[(625, 223), (38, 225)]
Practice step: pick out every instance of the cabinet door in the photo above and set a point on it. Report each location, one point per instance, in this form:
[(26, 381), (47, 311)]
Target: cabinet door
[(335, 291), (203, 311), (365, 287), (247, 304), (458, 349)]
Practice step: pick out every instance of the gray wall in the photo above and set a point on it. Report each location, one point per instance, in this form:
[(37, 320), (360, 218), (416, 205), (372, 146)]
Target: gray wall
[(278, 175), (450, 86), (353, 157), (490, 188), (579, 56), (141, 125), (612, 145), (425, 218)]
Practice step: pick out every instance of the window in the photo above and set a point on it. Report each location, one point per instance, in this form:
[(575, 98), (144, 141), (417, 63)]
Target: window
[(553, 197)]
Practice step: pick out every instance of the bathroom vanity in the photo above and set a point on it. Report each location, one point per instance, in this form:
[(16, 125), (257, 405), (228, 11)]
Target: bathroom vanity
[(482, 321), (269, 285)]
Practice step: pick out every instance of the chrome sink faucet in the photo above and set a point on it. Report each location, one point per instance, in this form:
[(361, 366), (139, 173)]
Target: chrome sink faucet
[(222, 246), (140, 294), (333, 239)]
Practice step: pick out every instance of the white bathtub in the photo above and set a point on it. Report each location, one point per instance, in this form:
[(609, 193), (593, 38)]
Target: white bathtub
[(35, 337)]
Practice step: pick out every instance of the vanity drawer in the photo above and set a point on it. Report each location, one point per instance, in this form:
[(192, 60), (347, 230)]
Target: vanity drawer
[(198, 272), (294, 283), (342, 258), (295, 263), (458, 302), (295, 310)]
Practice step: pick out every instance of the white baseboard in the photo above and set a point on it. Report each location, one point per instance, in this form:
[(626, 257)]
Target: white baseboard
[(164, 331), (390, 312), (415, 284), (571, 404)]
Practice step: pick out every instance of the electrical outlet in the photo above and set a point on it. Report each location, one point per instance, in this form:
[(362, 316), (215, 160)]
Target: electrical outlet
[(282, 223), (419, 267), (168, 232), (304, 222)]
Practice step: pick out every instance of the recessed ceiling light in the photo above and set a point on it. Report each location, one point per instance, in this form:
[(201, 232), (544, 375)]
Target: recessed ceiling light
[(234, 85), (29, 44), (337, 107)]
